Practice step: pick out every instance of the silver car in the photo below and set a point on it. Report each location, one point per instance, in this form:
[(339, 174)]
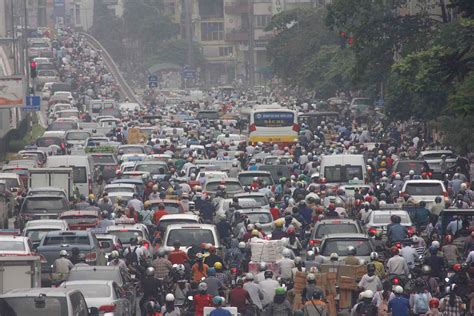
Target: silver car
[(338, 243), (105, 295)]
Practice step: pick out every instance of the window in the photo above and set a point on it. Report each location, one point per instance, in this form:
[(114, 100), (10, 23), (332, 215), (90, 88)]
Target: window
[(226, 51), (212, 31), (211, 8), (78, 14), (262, 21), (79, 306)]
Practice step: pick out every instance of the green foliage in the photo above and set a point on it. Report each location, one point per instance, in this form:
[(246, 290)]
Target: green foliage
[(457, 132), (176, 52)]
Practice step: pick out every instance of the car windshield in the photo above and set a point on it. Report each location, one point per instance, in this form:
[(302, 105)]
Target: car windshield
[(91, 290), (48, 204), (131, 150), (247, 179), (384, 219), (18, 306), (229, 186), (262, 218), (48, 141), (166, 223), (77, 136), (37, 235), (11, 183), (46, 192), (438, 155), (125, 235), (190, 236), (115, 190), (89, 274), (276, 160), (87, 219), (342, 173), (79, 174), (66, 240), (103, 159), (328, 228), (62, 126), (405, 166), (152, 168), (339, 246), (420, 188), (12, 245), (259, 201), (210, 115)]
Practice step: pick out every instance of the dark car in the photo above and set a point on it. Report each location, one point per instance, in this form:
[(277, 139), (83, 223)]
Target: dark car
[(41, 206), (404, 166)]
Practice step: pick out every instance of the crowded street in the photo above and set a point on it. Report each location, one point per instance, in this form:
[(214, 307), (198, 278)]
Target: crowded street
[(141, 199)]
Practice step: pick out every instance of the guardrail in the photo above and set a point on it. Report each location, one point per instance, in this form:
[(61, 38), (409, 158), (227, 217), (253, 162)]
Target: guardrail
[(125, 89)]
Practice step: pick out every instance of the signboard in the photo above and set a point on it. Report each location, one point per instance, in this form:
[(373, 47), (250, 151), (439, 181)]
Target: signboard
[(59, 8), (152, 81), (188, 73), (277, 6), (12, 92), (33, 103)]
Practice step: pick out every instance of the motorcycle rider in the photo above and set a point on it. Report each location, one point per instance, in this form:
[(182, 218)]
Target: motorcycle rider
[(62, 265), (351, 258), (268, 286), (151, 288), (255, 292), (201, 299), (115, 260), (311, 288), (260, 276), (397, 265), (285, 265)]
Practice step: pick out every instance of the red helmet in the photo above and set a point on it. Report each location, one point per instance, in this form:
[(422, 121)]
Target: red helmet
[(331, 207), (457, 267), (358, 202), (394, 251), (368, 198), (434, 303)]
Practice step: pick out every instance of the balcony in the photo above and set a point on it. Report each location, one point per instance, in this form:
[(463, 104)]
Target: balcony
[(237, 36), (236, 9)]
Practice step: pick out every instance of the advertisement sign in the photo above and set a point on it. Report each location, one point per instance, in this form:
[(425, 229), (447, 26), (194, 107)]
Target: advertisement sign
[(12, 92), (278, 6)]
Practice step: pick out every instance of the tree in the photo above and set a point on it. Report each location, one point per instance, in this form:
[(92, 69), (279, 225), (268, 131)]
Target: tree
[(176, 52)]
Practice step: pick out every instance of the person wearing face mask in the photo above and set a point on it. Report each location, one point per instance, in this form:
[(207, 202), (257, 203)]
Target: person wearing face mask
[(370, 281)]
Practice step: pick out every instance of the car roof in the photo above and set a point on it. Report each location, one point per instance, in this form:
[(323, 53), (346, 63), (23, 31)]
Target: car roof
[(9, 175), (346, 236), (378, 212), (190, 226), (255, 172), (36, 223), (179, 216), (249, 194), (7, 238), (47, 189), (223, 180), (80, 212), (68, 232), (425, 152), (124, 227), (120, 185), (34, 292), (423, 181), (95, 268), (36, 196), (97, 282), (338, 220), (165, 201)]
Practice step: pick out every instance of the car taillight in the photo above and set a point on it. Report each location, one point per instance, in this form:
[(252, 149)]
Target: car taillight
[(296, 127), (372, 230), (252, 127), (107, 308), (91, 257), (430, 174), (445, 194), (43, 259)]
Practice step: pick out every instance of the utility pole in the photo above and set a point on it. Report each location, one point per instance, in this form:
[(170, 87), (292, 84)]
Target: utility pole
[(14, 49), (251, 54), (25, 49), (188, 29)]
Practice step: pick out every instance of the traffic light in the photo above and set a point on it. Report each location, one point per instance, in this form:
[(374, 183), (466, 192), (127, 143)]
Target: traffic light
[(343, 39), (33, 72)]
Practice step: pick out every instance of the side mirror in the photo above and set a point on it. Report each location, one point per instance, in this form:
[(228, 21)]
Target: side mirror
[(93, 311)]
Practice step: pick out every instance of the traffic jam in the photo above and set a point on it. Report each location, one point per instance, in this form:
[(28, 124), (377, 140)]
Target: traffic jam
[(226, 202)]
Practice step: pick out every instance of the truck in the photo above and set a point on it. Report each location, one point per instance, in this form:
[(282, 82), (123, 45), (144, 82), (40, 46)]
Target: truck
[(19, 272), (53, 177)]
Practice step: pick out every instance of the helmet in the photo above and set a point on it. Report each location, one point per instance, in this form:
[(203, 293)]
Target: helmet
[(211, 272), (415, 239), (250, 227), (280, 291), (114, 254), (268, 274), (255, 233), (262, 266), (91, 196), (435, 244), (279, 223), (394, 250), (218, 265), (334, 256), (374, 255), (150, 271), (161, 252), (457, 267), (286, 253), (218, 300), (411, 172), (426, 269), (202, 286), (311, 277), (152, 306), (434, 303), (63, 253), (368, 294), (310, 255), (249, 276), (398, 289), (398, 176), (169, 297), (242, 245), (297, 260), (351, 251)]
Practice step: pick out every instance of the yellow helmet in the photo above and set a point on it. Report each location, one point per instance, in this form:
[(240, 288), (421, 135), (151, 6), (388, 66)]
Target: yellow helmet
[(218, 266), (147, 204), (255, 233), (91, 196), (279, 222)]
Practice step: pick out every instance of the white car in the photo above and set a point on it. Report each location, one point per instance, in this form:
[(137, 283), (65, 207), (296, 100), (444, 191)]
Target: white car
[(433, 159), (378, 220), (424, 190), (120, 188), (105, 295), (15, 245), (66, 94), (36, 229)]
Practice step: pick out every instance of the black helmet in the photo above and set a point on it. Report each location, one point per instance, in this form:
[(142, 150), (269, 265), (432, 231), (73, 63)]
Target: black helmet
[(268, 274)]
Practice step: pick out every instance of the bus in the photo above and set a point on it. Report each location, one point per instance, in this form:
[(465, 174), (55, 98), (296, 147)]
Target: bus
[(273, 126)]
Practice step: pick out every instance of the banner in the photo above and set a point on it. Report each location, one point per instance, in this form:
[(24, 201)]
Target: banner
[(12, 92)]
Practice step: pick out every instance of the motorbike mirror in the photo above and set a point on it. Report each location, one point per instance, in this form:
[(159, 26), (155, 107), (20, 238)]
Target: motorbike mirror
[(190, 298), (447, 280)]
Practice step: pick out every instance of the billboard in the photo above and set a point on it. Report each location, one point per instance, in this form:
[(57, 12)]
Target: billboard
[(12, 92)]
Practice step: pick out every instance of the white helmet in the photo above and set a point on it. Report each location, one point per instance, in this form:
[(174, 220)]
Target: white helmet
[(368, 294), (435, 244), (63, 253), (242, 245), (286, 253), (398, 289), (169, 297), (311, 277)]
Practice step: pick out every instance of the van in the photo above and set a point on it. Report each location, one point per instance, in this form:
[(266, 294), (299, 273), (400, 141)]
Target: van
[(425, 190), (191, 234), (343, 168), (82, 170)]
